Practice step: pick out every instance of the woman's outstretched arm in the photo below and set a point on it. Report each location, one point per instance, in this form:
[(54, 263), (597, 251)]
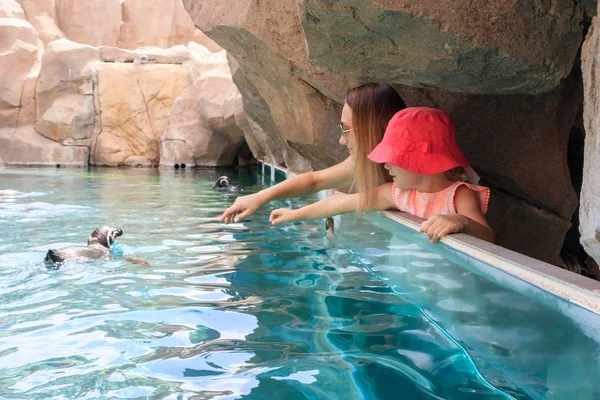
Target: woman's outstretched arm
[(339, 175), (334, 205)]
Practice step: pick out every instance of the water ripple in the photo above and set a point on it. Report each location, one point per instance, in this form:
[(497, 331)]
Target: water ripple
[(187, 307)]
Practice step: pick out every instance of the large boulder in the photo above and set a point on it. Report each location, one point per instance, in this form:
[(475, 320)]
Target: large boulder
[(24, 146), (262, 134), (42, 15), (92, 22), (11, 9), (202, 129), (306, 119), (20, 51), (65, 93), (201, 39), (589, 211), (527, 229), (132, 119), (485, 47), (488, 47), (164, 24)]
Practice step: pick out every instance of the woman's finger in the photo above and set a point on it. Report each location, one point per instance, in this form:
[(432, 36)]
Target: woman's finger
[(231, 210), (239, 216), (243, 214)]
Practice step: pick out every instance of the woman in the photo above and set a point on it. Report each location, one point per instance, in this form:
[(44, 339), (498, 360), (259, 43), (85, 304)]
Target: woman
[(366, 113)]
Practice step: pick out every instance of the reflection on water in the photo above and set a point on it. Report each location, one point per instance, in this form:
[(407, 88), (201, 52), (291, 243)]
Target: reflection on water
[(243, 310), (525, 341)]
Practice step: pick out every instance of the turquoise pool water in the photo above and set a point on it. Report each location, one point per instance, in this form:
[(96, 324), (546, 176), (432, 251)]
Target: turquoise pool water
[(250, 311)]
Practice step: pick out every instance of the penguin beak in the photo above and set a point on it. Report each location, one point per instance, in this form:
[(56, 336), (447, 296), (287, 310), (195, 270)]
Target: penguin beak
[(118, 233)]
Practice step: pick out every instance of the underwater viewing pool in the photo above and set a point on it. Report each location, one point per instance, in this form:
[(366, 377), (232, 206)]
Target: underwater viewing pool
[(187, 307)]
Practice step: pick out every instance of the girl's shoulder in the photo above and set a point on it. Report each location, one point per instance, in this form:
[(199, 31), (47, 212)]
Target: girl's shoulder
[(482, 194)]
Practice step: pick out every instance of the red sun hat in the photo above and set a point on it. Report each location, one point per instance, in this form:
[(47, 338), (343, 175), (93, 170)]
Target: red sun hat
[(421, 140)]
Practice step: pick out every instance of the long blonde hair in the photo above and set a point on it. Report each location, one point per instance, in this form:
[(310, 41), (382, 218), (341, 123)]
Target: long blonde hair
[(373, 105)]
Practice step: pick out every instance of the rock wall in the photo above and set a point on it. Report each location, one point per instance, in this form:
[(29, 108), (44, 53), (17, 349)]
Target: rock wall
[(21, 53), (91, 22), (165, 24), (69, 96), (65, 102), (19, 46), (476, 47), (43, 16), (133, 117), (203, 120)]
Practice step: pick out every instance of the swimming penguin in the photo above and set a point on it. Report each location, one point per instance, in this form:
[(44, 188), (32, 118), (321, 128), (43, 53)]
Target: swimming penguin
[(223, 183), (99, 244)]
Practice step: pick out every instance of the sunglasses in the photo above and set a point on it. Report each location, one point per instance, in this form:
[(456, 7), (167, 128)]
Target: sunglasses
[(345, 131)]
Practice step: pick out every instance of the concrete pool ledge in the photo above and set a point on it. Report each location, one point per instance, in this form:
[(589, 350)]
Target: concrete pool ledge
[(568, 285), (572, 287)]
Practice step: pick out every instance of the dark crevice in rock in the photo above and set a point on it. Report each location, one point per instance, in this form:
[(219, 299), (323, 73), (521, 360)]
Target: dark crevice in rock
[(98, 118), (572, 252), (575, 159), (244, 155), (590, 8)]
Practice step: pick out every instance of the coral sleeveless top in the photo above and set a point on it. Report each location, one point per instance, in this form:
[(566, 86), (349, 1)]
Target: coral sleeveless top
[(426, 205)]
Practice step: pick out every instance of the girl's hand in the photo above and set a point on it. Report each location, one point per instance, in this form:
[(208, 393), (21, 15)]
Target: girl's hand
[(282, 215), (439, 226), (241, 208)]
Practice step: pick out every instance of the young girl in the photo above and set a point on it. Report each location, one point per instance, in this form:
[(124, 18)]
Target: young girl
[(420, 152), (367, 110)]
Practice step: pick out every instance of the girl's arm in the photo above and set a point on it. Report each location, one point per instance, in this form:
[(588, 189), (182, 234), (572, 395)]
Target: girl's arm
[(334, 177), (468, 219), (334, 205)]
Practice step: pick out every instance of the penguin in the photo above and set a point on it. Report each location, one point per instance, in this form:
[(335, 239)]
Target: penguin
[(99, 244), (223, 183)]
